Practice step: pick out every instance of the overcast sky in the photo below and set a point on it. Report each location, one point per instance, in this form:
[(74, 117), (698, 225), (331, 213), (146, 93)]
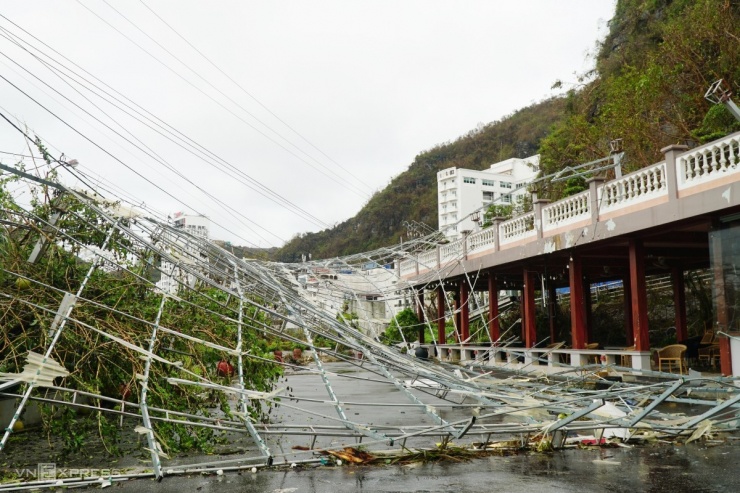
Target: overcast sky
[(275, 117)]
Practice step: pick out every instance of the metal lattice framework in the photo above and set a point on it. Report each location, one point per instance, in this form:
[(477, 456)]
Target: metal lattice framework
[(299, 303)]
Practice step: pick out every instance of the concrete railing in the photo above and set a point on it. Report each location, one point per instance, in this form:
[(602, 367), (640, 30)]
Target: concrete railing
[(482, 240), (408, 267), (450, 251), (567, 211), (428, 260), (702, 168), (517, 228), (639, 186), (708, 162)]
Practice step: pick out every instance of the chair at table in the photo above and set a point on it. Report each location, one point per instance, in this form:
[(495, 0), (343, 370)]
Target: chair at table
[(709, 354), (670, 356)]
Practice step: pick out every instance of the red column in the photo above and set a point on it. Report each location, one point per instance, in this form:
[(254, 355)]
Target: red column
[(528, 316), (464, 311), (720, 302), (494, 327), (679, 303), (441, 327), (552, 307), (577, 312), (456, 319), (588, 311), (420, 315), (627, 291), (639, 295)]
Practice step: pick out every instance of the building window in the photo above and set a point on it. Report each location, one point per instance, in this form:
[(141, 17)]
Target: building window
[(467, 179), (506, 198), (488, 196), (488, 183), (505, 184)]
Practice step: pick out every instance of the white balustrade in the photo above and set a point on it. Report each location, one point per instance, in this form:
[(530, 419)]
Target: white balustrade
[(481, 240), (450, 251), (517, 228), (708, 162), (408, 267), (428, 260), (566, 211), (636, 187), (702, 165)]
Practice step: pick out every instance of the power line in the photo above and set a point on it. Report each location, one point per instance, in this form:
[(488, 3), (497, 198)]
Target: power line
[(96, 145), (254, 98), (334, 177), (272, 195), (227, 207)]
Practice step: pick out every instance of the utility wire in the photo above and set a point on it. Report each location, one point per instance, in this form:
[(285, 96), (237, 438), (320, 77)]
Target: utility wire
[(254, 98), (335, 178), (99, 147), (271, 195), (229, 209)]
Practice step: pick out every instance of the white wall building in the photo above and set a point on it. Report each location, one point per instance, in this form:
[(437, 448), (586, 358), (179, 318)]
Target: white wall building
[(184, 249), (461, 191), (374, 294)]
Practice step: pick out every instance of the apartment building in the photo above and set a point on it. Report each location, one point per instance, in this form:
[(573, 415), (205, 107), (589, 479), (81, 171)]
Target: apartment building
[(461, 191)]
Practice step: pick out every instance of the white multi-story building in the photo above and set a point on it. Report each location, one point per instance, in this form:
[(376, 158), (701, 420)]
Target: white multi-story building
[(461, 191), (184, 249)]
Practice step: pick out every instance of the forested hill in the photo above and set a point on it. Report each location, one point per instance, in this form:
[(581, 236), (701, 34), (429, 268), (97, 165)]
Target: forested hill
[(412, 195), (651, 74)]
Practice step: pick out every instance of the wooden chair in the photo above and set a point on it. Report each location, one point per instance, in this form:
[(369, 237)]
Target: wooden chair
[(595, 359), (710, 354), (626, 359), (707, 338), (671, 355)]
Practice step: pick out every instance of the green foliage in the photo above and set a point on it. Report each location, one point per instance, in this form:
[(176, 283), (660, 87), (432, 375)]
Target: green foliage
[(717, 123), (96, 363), (652, 72), (574, 185), (405, 322)]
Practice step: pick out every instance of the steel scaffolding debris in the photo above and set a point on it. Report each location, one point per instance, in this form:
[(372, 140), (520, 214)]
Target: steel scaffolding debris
[(480, 407)]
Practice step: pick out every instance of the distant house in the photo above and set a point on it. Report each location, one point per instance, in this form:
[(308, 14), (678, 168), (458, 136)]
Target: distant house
[(461, 191)]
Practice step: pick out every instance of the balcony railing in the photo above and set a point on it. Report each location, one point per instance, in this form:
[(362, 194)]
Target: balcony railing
[(517, 228), (482, 240), (642, 185), (566, 211), (708, 162), (450, 251), (697, 169)]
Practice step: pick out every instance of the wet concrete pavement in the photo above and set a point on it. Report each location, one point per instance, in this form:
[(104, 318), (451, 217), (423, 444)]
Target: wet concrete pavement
[(659, 468), (654, 468)]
